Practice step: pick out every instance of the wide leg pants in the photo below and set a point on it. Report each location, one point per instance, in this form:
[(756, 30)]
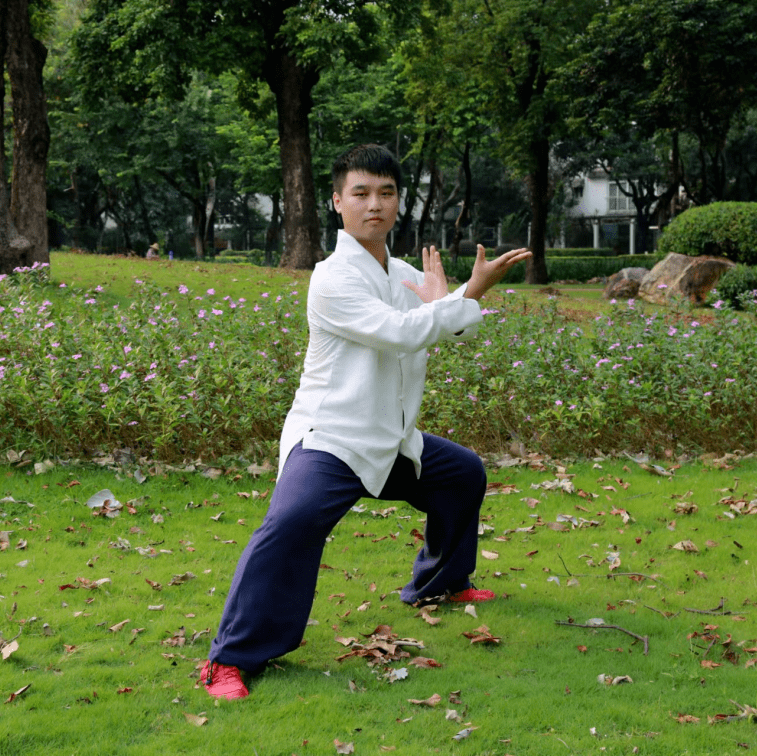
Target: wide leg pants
[(273, 588)]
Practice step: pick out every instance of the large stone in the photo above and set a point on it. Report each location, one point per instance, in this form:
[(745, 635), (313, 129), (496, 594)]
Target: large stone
[(625, 283), (682, 277)]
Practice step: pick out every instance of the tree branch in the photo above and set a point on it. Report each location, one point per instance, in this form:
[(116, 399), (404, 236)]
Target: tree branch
[(643, 638)]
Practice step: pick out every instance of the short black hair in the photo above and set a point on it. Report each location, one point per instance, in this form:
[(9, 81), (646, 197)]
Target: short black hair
[(371, 158)]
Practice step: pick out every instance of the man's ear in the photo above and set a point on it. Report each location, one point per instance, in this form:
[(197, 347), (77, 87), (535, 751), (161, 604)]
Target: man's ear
[(337, 200)]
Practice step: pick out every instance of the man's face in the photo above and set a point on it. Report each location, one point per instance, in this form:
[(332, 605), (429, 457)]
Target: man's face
[(368, 205)]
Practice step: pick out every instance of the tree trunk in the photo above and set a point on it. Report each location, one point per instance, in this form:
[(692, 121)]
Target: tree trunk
[(31, 135), (292, 85), (273, 232), (538, 184), (427, 205), (463, 217), (145, 215), (199, 225), (5, 231)]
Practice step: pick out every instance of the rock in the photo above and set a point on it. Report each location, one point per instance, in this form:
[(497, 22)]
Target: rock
[(625, 283), (681, 276)]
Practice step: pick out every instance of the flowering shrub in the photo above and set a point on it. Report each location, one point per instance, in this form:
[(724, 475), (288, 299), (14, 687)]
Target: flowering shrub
[(182, 374), (175, 375), (631, 380)]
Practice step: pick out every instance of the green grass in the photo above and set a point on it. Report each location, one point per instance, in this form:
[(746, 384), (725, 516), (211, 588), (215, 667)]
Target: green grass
[(536, 692)]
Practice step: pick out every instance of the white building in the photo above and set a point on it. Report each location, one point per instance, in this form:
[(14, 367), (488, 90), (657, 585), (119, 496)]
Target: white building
[(602, 205)]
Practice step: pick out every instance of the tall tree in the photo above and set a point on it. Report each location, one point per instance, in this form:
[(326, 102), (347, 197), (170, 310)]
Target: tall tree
[(684, 67), (286, 43), (24, 57), (508, 54)]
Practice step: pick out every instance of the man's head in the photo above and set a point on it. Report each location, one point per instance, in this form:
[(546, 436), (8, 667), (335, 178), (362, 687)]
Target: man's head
[(366, 158)]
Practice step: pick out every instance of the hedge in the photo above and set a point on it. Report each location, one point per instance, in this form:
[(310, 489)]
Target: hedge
[(723, 229)]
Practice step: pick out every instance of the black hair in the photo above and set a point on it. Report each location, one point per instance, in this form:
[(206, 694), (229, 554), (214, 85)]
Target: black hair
[(371, 158)]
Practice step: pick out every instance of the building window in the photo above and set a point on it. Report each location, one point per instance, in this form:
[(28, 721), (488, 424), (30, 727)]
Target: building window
[(618, 202)]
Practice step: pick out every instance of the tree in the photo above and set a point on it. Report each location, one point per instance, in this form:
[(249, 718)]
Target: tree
[(286, 43), (24, 56), (509, 53), (681, 67)]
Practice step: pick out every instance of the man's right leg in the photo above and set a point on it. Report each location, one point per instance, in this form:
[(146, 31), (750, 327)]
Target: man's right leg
[(272, 592)]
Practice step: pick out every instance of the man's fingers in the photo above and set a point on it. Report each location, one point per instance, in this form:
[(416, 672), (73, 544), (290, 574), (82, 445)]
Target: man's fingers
[(412, 286)]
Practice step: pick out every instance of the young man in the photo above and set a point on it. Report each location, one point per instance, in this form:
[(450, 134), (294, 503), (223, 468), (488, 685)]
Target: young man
[(351, 430)]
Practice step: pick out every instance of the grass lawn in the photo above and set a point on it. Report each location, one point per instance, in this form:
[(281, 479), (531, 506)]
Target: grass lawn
[(113, 669)]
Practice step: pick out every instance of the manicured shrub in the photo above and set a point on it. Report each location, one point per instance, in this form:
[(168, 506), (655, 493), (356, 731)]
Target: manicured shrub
[(738, 287), (581, 252), (723, 229)]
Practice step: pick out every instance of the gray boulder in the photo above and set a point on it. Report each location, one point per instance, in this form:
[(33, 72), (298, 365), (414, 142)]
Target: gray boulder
[(625, 283), (682, 277)]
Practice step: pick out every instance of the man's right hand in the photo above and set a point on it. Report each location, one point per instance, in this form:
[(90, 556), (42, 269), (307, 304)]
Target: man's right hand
[(434, 280)]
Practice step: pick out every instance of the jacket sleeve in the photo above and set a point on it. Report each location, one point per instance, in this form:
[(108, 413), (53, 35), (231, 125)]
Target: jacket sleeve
[(348, 308)]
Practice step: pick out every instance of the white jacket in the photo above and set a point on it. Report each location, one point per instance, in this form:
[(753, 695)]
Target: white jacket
[(365, 367)]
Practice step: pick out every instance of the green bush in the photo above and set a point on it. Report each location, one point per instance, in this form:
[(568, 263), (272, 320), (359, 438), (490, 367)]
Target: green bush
[(737, 287), (724, 229), (581, 252), (585, 268), (558, 268)]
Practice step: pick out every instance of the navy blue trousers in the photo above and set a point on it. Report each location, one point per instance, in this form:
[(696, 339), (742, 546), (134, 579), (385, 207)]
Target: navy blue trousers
[(272, 591)]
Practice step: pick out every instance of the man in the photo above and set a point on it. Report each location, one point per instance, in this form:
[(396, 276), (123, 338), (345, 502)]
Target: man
[(351, 430)]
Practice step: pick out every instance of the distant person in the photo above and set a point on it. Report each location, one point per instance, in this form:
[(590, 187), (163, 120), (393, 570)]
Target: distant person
[(351, 430), (153, 251)]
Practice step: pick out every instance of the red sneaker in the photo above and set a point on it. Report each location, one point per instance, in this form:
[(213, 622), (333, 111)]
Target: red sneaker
[(470, 595), (222, 681)]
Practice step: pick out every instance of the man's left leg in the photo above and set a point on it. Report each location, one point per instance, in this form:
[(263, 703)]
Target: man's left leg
[(450, 492)]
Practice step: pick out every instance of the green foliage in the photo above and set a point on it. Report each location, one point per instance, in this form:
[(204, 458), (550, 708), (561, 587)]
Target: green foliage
[(581, 252), (726, 229), (654, 64), (737, 287), (586, 268), (178, 373)]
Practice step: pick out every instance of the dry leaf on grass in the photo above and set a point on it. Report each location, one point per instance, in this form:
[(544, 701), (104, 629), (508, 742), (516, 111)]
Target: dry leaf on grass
[(464, 733), (344, 747), (686, 719), (482, 635), (431, 701), (8, 648), (19, 692), (689, 546), (195, 720)]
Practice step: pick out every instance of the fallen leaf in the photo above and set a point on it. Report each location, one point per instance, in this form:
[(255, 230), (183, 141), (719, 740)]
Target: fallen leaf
[(425, 614), (196, 720), (9, 648), (181, 579), (709, 664), (119, 626), (686, 719), (424, 662), (125, 690), (489, 554), (344, 747), (431, 701), (19, 692), (689, 546), (464, 733), (481, 635)]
